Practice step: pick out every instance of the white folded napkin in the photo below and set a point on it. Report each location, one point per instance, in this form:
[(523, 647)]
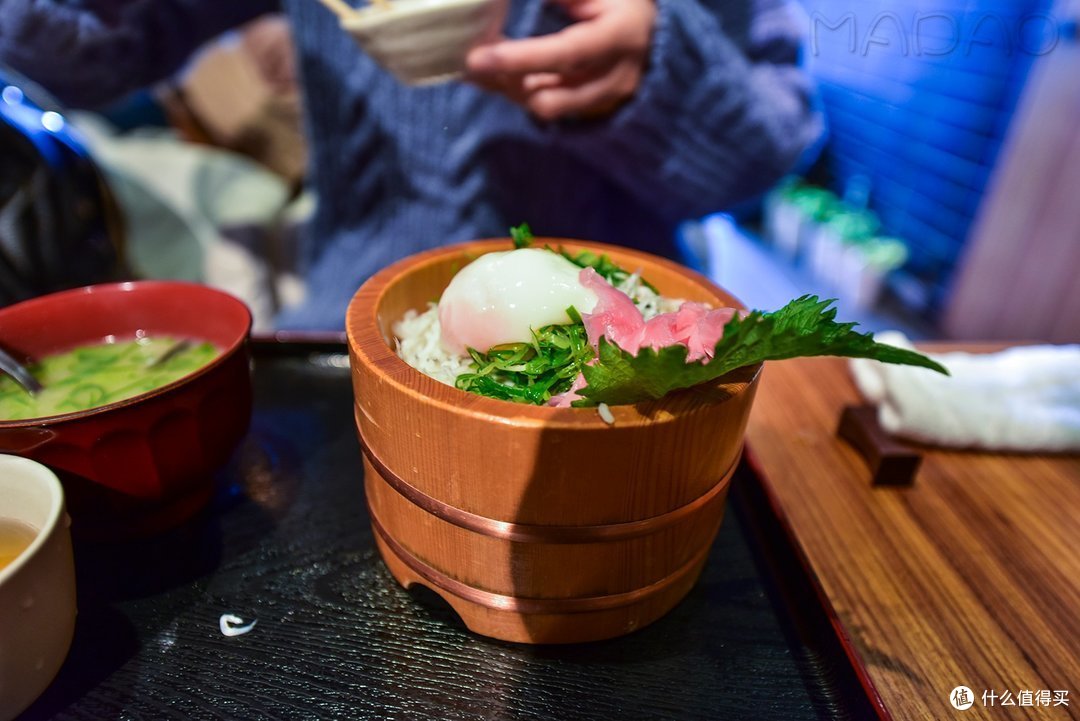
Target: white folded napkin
[(1023, 399)]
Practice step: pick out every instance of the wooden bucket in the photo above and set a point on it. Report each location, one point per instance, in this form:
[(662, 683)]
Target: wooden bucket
[(536, 524)]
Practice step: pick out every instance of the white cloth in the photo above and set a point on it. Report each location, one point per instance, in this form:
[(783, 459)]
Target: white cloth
[(1023, 399)]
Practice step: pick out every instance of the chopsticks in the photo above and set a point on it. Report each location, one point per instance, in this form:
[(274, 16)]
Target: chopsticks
[(344, 11), (340, 8)]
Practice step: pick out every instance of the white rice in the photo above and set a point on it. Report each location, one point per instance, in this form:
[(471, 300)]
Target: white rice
[(650, 303), (418, 334), (419, 345)]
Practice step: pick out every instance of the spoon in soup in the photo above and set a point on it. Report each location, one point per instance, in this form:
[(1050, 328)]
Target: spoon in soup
[(19, 373), (176, 349)]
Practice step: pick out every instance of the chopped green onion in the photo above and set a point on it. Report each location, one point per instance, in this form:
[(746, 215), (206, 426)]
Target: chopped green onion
[(530, 372)]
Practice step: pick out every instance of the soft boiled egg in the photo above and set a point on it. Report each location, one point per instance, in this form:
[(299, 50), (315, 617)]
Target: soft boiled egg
[(502, 297)]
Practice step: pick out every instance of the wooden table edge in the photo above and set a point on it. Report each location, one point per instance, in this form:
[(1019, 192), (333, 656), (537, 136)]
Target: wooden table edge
[(852, 654)]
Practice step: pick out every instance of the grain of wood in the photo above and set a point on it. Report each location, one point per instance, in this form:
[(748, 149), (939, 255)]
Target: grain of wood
[(971, 577)]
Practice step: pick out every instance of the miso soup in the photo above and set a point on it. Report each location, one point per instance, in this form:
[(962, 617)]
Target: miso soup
[(97, 375)]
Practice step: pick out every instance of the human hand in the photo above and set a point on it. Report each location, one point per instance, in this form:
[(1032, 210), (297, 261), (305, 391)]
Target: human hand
[(268, 41), (588, 69)]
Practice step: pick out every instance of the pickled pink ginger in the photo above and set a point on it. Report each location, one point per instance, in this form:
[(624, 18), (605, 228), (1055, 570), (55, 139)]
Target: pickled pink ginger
[(693, 325)]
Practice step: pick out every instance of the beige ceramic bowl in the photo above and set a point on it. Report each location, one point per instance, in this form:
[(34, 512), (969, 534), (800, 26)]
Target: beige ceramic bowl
[(423, 42), (37, 590)]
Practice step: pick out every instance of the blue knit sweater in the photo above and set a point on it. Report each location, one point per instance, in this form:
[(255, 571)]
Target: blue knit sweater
[(723, 111)]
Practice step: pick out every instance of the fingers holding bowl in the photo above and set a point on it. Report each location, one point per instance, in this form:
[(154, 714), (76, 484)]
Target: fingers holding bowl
[(588, 69)]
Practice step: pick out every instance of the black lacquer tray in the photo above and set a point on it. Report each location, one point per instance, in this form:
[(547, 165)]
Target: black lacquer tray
[(287, 543)]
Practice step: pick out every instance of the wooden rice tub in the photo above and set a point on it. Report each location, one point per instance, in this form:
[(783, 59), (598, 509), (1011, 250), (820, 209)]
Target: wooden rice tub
[(539, 525)]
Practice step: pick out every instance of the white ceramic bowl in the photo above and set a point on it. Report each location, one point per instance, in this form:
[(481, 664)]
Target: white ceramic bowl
[(37, 590), (423, 42)]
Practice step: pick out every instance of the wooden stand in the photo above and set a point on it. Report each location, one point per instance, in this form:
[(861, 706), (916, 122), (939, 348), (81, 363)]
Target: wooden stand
[(892, 463)]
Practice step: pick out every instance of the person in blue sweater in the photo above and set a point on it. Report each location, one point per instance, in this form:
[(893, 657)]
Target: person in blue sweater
[(610, 120)]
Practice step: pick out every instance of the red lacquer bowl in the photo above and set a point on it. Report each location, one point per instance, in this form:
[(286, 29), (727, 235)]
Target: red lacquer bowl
[(142, 465)]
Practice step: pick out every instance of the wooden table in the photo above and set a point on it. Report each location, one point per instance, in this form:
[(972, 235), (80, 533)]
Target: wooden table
[(969, 578)]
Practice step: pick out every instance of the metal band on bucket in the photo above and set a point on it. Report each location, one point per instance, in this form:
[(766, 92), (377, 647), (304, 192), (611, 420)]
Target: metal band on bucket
[(529, 533), (532, 605)]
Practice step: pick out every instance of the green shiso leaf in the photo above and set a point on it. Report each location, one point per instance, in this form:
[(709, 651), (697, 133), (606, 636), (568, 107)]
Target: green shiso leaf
[(804, 327)]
